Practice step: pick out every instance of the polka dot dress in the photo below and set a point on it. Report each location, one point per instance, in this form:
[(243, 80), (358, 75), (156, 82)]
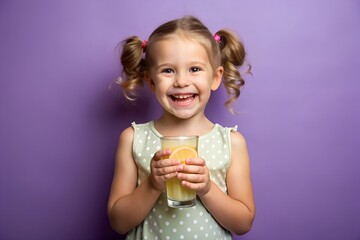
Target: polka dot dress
[(195, 222)]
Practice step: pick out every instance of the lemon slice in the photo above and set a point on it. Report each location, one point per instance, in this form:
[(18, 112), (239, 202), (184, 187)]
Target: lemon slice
[(182, 153)]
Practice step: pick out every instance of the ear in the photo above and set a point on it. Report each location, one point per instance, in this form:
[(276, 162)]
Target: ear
[(149, 81), (217, 78)]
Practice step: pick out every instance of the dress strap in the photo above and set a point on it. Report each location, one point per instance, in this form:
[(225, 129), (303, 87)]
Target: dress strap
[(234, 129)]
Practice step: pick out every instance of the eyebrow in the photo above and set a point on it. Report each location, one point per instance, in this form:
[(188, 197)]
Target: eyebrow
[(190, 64)]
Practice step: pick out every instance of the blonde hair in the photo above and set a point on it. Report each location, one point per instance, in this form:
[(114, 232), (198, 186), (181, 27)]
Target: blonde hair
[(229, 53)]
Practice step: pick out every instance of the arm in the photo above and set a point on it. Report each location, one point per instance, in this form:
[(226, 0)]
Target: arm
[(129, 204), (235, 211)]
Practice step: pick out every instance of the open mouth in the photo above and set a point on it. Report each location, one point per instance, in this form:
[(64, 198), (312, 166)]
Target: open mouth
[(183, 98)]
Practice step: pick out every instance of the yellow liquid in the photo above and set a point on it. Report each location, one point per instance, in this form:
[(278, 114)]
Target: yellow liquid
[(175, 191)]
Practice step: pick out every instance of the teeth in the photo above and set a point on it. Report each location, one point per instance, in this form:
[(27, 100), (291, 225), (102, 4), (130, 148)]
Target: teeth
[(182, 96)]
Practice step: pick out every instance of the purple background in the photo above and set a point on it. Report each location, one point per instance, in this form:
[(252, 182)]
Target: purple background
[(60, 121)]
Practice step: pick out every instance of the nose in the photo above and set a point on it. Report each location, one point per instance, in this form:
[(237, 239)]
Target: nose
[(181, 80)]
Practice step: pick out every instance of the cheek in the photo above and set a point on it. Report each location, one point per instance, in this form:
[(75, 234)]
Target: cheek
[(162, 85), (160, 90)]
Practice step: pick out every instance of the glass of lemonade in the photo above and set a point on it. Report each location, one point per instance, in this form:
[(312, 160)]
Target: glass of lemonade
[(181, 147)]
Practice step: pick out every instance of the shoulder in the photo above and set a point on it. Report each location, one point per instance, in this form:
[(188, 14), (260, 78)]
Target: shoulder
[(237, 140), (126, 138), (130, 131), (127, 133)]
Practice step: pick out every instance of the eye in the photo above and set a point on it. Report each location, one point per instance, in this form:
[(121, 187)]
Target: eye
[(167, 70), (195, 69)]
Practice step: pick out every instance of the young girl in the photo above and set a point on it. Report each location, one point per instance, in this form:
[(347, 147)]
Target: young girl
[(182, 63)]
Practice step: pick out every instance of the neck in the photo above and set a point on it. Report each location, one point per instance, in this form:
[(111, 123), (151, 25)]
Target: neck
[(168, 125)]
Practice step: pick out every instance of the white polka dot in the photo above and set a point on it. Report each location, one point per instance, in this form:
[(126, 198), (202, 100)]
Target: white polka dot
[(160, 216), (167, 223), (201, 213), (167, 237), (202, 228), (195, 221), (174, 230), (147, 148), (173, 216), (195, 236), (188, 229), (181, 222), (182, 237), (139, 154), (187, 214)]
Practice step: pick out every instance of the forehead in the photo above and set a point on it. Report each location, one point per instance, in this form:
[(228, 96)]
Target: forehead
[(176, 48)]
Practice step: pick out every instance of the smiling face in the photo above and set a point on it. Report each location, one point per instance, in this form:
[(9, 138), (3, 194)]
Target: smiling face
[(181, 76)]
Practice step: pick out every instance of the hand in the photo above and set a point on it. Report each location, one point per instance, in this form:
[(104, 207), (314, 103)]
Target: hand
[(195, 175), (163, 169)]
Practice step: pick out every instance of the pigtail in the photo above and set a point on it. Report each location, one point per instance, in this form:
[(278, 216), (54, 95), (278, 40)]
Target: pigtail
[(232, 58), (133, 66)]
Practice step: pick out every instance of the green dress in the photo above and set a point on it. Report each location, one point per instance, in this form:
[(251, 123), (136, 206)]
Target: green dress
[(195, 222)]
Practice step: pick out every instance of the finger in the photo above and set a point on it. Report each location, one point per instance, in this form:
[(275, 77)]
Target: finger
[(193, 185), (173, 169), (166, 163), (195, 169), (194, 173), (161, 154), (169, 175), (195, 161)]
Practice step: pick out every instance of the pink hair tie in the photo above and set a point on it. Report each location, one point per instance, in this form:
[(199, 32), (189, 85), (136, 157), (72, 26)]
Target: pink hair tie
[(144, 44), (217, 38)]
